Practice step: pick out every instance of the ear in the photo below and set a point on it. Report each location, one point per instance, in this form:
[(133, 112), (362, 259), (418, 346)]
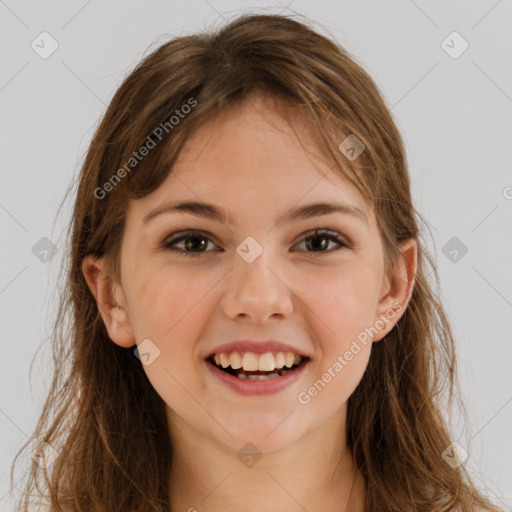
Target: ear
[(110, 300), (395, 295)]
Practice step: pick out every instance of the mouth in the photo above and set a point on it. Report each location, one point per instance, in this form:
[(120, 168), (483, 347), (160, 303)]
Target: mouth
[(251, 366)]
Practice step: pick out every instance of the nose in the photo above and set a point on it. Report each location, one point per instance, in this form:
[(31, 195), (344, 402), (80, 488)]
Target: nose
[(257, 291)]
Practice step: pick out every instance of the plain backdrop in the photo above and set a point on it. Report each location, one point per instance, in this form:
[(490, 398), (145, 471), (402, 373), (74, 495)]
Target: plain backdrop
[(444, 70)]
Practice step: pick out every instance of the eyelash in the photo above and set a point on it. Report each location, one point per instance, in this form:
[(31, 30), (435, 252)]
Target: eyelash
[(192, 233)]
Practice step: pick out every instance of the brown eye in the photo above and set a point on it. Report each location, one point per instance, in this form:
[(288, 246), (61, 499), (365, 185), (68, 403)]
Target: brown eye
[(195, 242), (318, 241)]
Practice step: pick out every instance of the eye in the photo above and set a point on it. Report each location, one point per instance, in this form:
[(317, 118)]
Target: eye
[(197, 241), (323, 238), (194, 240)]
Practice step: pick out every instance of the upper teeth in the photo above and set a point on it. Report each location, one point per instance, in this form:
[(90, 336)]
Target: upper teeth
[(253, 362)]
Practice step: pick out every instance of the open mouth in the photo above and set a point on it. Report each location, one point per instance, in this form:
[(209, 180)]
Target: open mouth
[(277, 366)]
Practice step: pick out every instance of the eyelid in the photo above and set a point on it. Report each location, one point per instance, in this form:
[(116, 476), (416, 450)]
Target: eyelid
[(342, 241), (178, 236), (330, 234)]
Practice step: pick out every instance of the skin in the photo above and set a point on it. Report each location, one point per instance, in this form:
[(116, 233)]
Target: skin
[(249, 161)]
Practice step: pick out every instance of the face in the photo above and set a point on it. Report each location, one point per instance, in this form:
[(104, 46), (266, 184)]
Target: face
[(260, 274)]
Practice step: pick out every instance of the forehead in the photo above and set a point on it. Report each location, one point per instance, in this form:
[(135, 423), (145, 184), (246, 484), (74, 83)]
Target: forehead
[(257, 134), (249, 158)]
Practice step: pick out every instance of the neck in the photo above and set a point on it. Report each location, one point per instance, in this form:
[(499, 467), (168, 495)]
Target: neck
[(316, 472)]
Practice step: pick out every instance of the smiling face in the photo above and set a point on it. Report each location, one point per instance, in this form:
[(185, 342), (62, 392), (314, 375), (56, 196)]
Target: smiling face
[(260, 274)]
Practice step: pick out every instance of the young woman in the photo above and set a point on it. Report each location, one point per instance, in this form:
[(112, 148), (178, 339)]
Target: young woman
[(251, 323)]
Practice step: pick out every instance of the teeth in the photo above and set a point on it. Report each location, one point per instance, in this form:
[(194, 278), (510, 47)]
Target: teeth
[(267, 363), (262, 377), (235, 360), (224, 360), (289, 359), (252, 362)]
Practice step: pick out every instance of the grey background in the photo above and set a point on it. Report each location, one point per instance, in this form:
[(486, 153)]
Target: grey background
[(454, 113)]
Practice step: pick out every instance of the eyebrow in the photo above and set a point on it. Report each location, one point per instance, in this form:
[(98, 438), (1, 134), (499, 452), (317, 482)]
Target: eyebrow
[(209, 211)]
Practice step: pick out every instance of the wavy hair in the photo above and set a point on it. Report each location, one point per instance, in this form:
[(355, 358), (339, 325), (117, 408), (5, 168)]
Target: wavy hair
[(102, 416)]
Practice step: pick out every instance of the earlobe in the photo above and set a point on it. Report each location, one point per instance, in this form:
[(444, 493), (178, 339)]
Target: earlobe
[(394, 302), (113, 311)]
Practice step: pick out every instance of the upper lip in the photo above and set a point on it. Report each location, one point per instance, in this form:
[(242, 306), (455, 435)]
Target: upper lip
[(258, 347)]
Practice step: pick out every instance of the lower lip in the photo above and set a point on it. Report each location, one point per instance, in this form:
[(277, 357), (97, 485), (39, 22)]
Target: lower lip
[(257, 387)]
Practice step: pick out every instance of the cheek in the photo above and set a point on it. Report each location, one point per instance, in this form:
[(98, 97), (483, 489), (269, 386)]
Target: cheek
[(167, 302), (343, 309), (343, 306), (168, 309), (344, 300)]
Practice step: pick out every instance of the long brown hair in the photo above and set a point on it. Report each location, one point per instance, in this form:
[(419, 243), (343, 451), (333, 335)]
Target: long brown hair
[(102, 416)]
